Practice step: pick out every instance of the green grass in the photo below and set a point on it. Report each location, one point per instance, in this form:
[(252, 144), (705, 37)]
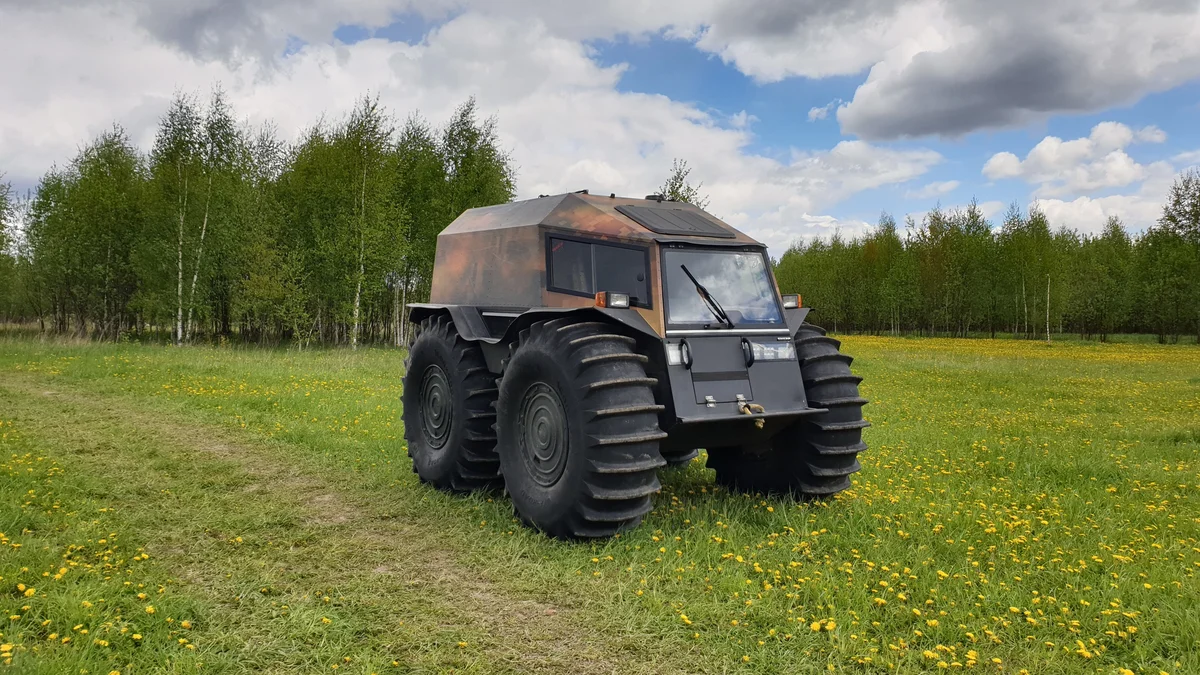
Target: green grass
[(1036, 505)]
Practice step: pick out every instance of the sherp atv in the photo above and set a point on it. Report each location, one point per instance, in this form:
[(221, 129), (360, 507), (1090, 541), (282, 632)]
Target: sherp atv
[(574, 345)]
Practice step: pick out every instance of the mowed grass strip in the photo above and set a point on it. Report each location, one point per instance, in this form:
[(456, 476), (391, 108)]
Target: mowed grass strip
[(278, 570), (1022, 507)]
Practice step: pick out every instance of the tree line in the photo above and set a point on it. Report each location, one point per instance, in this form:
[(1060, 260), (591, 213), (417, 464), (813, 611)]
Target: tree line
[(222, 230), (225, 230), (954, 273)]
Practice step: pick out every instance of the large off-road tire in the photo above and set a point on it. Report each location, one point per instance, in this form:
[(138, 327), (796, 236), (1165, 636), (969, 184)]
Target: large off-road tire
[(680, 458), (815, 456), (448, 411), (577, 429)]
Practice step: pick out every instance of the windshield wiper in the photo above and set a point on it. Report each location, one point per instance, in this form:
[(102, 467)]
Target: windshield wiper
[(709, 301)]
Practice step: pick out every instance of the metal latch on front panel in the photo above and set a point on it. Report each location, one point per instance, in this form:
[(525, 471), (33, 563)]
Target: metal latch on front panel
[(711, 402)]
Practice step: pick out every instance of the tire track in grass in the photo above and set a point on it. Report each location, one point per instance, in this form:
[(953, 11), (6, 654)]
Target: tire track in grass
[(307, 575)]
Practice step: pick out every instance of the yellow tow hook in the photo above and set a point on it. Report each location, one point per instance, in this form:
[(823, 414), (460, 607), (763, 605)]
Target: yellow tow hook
[(752, 409)]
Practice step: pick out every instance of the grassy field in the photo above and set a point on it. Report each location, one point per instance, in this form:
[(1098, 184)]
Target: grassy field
[(1023, 508)]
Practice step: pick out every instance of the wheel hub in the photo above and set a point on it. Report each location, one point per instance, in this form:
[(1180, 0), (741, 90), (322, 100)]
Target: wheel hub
[(542, 434), (437, 412)]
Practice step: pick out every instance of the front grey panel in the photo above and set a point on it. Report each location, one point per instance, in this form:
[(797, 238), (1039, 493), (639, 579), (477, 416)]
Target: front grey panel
[(722, 390), (775, 385), (719, 369), (778, 385)]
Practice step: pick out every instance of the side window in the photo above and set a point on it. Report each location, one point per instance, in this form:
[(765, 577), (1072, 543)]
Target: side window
[(623, 270), (571, 266), (584, 268)]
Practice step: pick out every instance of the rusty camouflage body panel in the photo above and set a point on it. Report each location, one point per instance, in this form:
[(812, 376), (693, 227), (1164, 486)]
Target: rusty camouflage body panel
[(495, 256)]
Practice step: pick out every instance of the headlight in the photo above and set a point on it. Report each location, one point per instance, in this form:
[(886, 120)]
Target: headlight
[(674, 355), (773, 351), (679, 354)]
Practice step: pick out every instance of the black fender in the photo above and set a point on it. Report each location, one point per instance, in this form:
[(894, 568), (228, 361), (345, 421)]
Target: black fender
[(470, 325), (468, 321)]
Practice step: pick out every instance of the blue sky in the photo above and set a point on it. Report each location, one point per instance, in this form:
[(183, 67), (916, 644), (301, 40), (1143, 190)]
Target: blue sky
[(780, 121), (1084, 108)]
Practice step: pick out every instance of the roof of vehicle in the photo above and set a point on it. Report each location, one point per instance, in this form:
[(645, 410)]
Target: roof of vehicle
[(605, 216)]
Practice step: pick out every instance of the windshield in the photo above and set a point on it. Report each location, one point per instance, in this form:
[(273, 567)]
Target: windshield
[(737, 279)]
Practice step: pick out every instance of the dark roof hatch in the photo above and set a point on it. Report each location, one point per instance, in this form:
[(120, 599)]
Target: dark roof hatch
[(675, 221)]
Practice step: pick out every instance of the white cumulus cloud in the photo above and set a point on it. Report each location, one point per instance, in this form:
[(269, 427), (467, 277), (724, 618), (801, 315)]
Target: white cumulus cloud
[(1151, 134), (822, 112), (1083, 165), (933, 67), (932, 190), (78, 67), (1138, 209)]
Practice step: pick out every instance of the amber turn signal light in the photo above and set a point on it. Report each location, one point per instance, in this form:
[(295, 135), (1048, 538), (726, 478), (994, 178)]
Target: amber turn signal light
[(612, 300)]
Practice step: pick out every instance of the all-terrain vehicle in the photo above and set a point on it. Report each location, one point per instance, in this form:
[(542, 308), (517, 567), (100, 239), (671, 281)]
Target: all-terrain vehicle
[(575, 344)]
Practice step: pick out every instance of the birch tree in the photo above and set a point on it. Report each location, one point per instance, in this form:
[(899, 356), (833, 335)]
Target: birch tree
[(7, 210), (678, 187), (420, 192), (478, 171), (107, 205), (217, 147), (8, 263), (174, 167), (376, 223), (1181, 217)]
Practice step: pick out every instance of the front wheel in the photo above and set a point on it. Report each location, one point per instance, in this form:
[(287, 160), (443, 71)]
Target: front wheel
[(815, 456), (577, 430)]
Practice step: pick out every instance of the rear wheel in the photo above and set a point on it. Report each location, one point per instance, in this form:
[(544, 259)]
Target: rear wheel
[(815, 456), (448, 414), (680, 458), (577, 429)]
